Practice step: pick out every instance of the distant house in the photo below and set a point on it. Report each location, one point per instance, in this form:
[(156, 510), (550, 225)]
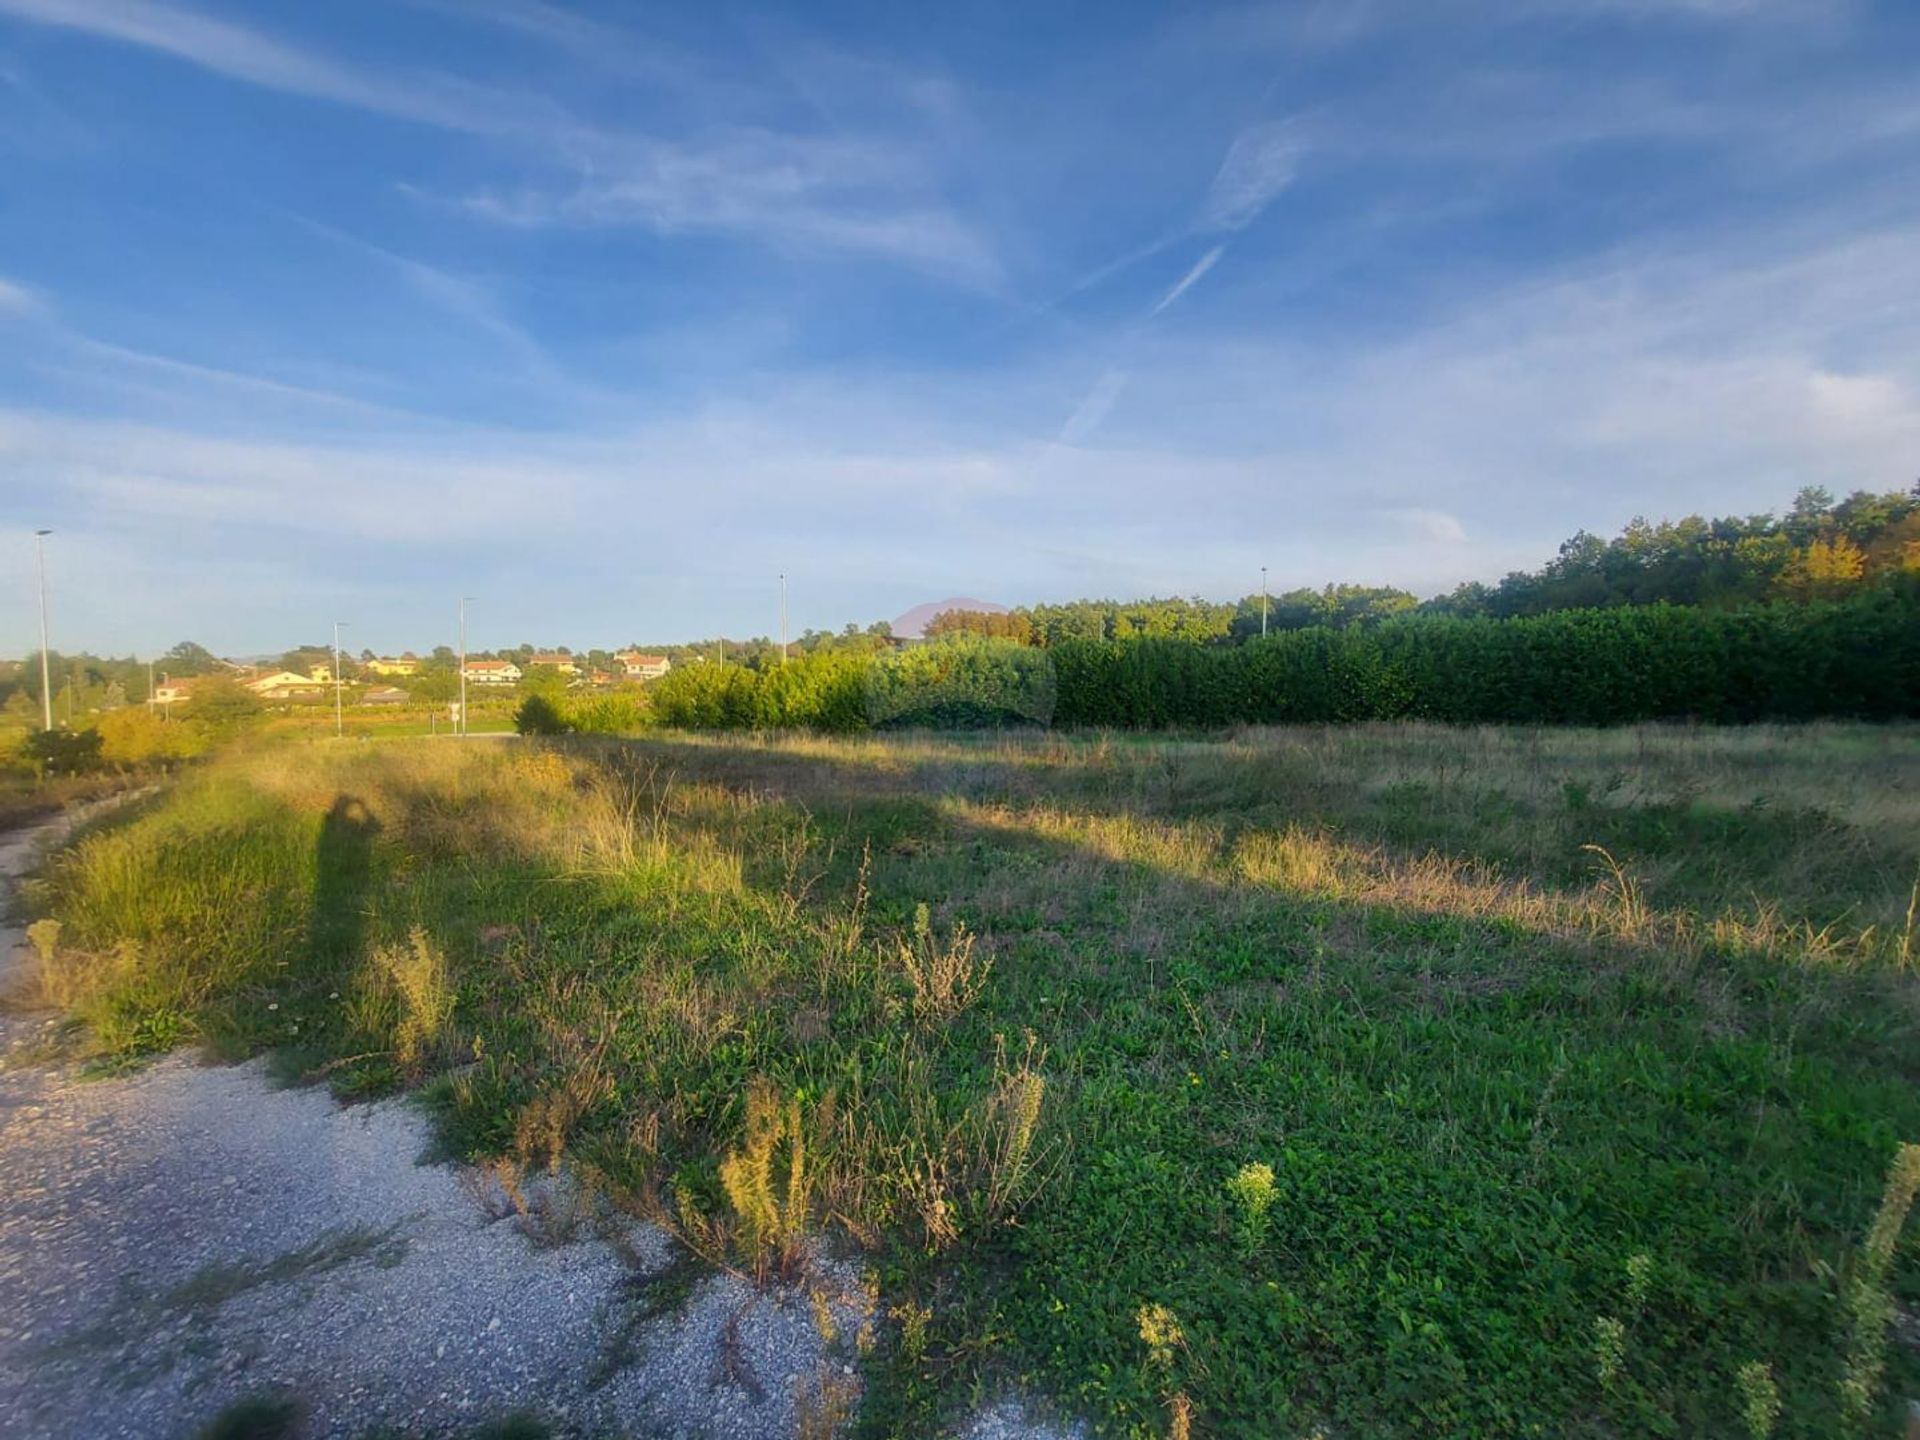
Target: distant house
[(555, 660), (384, 695), (286, 685), (599, 677), (636, 666), (493, 672), (172, 692), (395, 665)]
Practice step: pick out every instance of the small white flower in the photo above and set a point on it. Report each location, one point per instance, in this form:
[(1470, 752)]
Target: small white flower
[(274, 1006)]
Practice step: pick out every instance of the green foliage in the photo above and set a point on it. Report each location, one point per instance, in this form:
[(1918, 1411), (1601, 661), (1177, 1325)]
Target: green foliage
[(1819, 550), (136, 735), (823, 690), (961, 681), (223, 707), (64, 752), (1859, 658), (539, 714), (617, 712)]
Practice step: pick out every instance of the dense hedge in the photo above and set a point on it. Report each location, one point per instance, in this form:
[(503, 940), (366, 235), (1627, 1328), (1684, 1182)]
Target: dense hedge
[(963, 681), (1856, 658), (822, 691)]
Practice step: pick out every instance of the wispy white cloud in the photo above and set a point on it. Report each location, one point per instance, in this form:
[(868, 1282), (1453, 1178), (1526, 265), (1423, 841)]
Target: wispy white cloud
[(1187, 281), (17, 299), (1260, 163), (243, 53), (1435, 525), (1092, 411), (865, 195)]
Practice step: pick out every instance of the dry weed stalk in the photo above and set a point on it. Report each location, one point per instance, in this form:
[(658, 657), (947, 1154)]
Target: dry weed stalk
[(945, 977), (419, 976), (1868, 1301), (769, 1180)]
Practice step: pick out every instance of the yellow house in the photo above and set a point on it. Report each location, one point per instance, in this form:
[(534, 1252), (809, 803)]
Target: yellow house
[(402, 665)]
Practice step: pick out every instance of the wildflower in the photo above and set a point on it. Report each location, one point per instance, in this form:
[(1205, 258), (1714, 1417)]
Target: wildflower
[(1160, 1329), (1253, 1193)]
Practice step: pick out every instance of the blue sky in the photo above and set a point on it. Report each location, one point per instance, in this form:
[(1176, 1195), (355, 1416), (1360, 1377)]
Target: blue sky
[(606, 314)]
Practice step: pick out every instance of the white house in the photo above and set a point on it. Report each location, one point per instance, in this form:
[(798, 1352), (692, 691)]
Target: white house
[(636, 666), (493, 672), (286, 685)]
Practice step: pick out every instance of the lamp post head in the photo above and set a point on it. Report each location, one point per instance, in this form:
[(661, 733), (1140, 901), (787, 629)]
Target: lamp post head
[(42, 532)]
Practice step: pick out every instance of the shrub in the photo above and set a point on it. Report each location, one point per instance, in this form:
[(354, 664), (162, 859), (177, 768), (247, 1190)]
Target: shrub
[(223, 707), (538, 715), (135, 735), (620, 713), (64, 752), (964, 680)]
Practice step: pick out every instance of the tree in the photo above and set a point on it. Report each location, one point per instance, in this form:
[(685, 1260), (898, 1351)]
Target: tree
[(1825, 570), (539, 715), (64, 752), (543, 680), (223, 706), (187, 658), (137, 736)]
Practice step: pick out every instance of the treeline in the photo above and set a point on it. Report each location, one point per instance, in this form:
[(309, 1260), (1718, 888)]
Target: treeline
[(1858, 657), (1820, 550)]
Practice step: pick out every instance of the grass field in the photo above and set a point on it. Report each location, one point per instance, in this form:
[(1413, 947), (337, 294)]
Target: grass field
[(1382, 1081)]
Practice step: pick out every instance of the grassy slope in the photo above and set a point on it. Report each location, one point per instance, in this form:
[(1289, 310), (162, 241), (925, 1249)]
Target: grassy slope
[(1486, 1068)]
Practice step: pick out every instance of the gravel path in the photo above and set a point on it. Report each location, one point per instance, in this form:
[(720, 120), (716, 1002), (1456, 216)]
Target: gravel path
[(185, 1236)]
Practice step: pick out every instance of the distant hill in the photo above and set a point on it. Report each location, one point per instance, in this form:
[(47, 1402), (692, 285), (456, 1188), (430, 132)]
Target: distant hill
[(913, 624)]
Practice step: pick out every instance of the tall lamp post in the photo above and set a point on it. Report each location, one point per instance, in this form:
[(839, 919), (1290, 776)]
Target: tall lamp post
[(1263, 602), (463, 663), (783, 618), (339, 725), (46, 682)]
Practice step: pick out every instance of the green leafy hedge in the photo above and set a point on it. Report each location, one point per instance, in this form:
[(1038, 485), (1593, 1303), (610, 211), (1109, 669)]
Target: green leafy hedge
[(1858, 658), (964, 681)]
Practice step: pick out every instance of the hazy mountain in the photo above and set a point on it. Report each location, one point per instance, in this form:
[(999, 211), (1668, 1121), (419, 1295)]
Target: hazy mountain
[(913, 624)]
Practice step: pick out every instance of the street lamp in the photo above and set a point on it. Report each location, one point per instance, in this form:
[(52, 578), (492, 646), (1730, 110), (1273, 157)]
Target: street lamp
[(1263, 602), (339, 727), (463, 663), (46, 683)]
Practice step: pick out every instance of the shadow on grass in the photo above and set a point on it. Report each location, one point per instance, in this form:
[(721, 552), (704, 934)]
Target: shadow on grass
[(343, 879)]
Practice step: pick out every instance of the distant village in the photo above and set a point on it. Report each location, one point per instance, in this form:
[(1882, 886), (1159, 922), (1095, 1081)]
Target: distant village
[(318, 678)]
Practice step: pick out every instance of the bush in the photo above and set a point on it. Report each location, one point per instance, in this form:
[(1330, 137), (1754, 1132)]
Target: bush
[(821, 691), (64, 752), (135, 735), (223, 707), (961, 681), (618, 713), (538, 715)]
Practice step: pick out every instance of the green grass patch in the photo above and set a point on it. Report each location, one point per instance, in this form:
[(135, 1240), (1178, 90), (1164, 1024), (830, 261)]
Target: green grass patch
[(1542, 1140)]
